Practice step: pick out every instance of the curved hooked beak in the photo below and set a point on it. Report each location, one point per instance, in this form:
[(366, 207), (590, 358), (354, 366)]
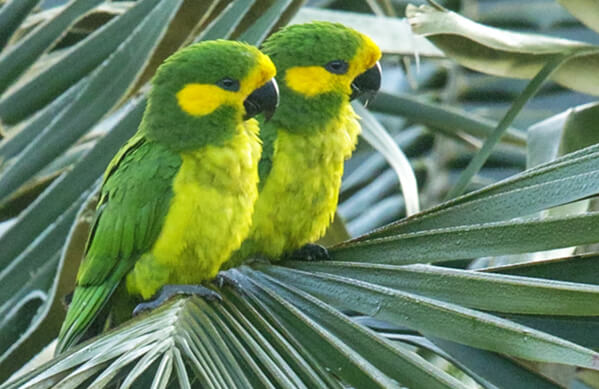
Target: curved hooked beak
[(367, 83), (264, 99)]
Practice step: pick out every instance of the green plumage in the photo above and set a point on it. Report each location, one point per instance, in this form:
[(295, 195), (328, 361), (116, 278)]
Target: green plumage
[(305, 143), (192, 157), (205, 66), (129, 217), (268, 136), (308, 44), (303, 45), (311, 44)]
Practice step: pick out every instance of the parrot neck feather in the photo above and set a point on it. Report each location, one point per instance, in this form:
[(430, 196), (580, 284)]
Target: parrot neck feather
[(164, 122), (299, 197), (209, 214)]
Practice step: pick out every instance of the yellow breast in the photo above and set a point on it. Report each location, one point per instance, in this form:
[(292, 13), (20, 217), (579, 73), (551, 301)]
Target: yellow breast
[(209, 216), (299, 198)]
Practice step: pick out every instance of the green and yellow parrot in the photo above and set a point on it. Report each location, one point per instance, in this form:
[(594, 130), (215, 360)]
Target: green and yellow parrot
[(177, 199), (320, 68)]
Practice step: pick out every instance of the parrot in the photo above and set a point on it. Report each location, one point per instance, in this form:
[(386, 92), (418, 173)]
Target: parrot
[(321, 66), (177, 198)]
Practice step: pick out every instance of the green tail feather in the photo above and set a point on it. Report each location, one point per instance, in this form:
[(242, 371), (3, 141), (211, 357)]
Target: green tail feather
[(87, 302)]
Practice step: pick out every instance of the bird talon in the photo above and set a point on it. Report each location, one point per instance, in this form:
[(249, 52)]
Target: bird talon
[(143, 307), (310, 252), (169, 291), (224, 278)]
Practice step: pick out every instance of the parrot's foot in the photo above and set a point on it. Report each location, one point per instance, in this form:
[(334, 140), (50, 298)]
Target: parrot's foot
[(310, 252), (169, 291), (224, 278)]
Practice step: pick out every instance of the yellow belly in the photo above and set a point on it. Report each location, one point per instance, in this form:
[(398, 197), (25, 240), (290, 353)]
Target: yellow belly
[(209, 216), (298, 201)]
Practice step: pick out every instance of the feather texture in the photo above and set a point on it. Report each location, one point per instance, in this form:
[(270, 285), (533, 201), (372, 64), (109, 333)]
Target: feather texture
[(299, 195)]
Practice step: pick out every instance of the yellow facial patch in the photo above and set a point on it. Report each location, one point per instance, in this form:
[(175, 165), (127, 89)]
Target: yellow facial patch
[(314, 80), (202, 99)]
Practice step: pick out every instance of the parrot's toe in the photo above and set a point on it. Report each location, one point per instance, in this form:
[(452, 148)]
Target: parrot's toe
[(225, 278), (169, 291), (310, 252)]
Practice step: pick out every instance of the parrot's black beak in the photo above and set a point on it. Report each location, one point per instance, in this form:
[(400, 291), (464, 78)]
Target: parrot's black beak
[(367, 83), (264, 99)]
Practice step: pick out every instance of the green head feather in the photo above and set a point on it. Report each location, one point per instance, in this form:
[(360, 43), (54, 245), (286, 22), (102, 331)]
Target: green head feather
[(203, 65), (306, 45)]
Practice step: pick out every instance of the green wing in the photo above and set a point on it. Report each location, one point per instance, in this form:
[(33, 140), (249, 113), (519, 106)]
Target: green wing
[(268, 135), (134, 200)]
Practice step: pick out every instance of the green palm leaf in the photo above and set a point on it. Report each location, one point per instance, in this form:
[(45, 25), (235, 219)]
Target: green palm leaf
[(408, 304)]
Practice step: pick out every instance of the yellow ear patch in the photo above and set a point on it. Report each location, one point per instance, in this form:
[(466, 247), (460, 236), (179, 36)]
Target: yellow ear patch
[(202, 99), (314, 80)]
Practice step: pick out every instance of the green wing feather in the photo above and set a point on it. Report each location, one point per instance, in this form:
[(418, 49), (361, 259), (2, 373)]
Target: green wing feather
[(134, 200), (268, 136)]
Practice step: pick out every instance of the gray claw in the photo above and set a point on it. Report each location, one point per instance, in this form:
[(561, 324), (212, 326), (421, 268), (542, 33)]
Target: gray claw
[(169, 291), (310, 252), (224, 278)]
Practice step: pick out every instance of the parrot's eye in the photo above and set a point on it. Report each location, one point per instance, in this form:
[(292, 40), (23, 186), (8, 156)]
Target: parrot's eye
[(338, 66), (228, 84)]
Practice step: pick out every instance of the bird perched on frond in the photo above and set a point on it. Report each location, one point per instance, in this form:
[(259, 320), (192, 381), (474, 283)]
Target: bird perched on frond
[(177, 198), (320, 67)]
